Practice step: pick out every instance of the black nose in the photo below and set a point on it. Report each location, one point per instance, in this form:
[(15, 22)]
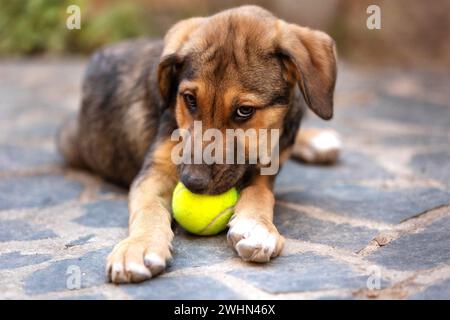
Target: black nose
[(196, 180)]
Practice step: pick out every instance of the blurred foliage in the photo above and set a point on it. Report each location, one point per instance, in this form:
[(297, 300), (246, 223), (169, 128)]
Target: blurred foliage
[(37, 26), (31, 26), (119, 21)]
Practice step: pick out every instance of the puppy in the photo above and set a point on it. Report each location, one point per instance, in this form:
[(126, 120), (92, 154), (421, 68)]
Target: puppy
[(240, 68)]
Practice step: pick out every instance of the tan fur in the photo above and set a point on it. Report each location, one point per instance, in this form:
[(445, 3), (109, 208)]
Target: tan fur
[(150, 221), (135, 121), (256, 204)]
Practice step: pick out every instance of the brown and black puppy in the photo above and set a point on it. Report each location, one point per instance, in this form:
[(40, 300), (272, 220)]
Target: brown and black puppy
[(240, 68)]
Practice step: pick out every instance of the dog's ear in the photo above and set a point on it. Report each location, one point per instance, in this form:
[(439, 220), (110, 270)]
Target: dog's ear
[(173, 54), (311, 56)]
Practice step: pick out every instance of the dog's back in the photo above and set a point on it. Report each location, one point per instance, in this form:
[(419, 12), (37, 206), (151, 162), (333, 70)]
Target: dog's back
[(120, 111)]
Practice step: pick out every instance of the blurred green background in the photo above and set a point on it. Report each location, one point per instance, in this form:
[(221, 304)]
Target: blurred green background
[(414, 32)]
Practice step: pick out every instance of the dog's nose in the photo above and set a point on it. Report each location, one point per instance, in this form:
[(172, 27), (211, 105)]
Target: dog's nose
[(196, 179)]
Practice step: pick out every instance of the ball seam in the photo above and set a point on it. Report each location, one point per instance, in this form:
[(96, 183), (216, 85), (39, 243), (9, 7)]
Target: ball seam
[(215, 219)]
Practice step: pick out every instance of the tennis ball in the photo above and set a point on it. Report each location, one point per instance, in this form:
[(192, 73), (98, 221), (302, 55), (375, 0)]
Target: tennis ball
[(203, 214)]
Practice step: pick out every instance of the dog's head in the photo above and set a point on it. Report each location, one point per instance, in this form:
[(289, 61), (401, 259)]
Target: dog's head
[(238, 69)]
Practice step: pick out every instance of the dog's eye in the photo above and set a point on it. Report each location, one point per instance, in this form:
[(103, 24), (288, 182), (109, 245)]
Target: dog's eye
[(244, 113), (190, 101)]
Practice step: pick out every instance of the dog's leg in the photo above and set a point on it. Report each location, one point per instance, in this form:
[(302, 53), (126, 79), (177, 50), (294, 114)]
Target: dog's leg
[(252, 232), (147, 249), (317, 146)]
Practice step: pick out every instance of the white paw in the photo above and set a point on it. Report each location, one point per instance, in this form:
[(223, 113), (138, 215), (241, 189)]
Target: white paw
[(326, 141), (255, 241), (324, 146), (133, 260), (154, 262)]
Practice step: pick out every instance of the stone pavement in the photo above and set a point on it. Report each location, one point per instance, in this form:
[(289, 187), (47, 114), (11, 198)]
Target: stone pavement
[(376, 225)]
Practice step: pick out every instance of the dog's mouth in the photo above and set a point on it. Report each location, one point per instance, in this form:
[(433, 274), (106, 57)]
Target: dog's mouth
[(211, 179)]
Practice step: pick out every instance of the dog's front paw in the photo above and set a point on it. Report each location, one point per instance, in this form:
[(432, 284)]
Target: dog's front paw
[(255, 241), (135, 260)]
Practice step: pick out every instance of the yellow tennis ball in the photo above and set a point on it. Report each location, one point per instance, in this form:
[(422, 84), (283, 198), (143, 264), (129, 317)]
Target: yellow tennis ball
[(203, 214)]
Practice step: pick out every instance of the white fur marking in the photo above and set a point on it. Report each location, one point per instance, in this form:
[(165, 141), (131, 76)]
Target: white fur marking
[(254, 241), (326, 141), (138, 269), (117, 272), (154, 262)]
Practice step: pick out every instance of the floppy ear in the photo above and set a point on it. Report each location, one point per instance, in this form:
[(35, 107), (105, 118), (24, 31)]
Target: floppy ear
[(173, 54), (312, 55)]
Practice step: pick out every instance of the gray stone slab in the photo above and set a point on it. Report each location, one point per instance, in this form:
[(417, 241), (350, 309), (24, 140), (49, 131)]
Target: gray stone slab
[(80, 240), (36, 191), (401, 109), (413, 140), (181, 288), (352, 166), (195, 251), (14, 158), (54, 277), (42, 130), (407, 110), (85, 297), (437, 291), (301, 273), (20, 230), (357, 201), (297, 225), (105, 214), (335, 297), (31, 110), (15, 259), (435, 165), (423, 250)]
